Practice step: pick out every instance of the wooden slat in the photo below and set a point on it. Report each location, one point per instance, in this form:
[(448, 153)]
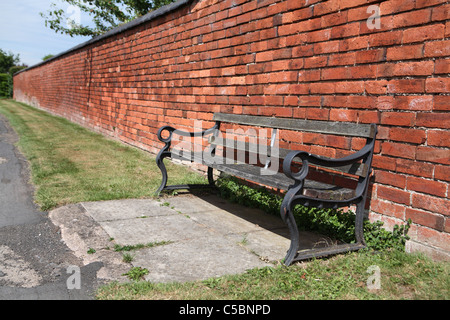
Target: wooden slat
[(328, 127), (313, 189)]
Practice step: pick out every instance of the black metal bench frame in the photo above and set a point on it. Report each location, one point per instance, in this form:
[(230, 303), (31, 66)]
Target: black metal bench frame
[(299, 189)]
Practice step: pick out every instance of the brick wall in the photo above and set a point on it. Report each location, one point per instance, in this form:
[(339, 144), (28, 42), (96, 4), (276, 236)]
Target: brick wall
[(328, 60)]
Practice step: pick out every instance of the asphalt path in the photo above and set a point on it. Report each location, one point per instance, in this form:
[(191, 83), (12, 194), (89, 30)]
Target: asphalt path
[(35, 264)]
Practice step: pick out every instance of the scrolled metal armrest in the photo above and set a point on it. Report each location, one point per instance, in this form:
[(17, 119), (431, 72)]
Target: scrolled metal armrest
[(171, 130), (308, 158), (287, 163)]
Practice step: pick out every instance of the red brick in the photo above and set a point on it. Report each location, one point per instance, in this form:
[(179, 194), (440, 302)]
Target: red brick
[(422, 68), (405, 52), (326, 47), (416, 168), (434, 238), (388, 208), (406, 86), (355, 43), (376, 86), (424, 218), (439, 138), (322, 88), (442, 173), (432, 154), (315, 62), (441, 13), (385, 102), (427, 3), (390, 178), (437, 48), (441, 103), (433, 120), (395, 6), (421, 102), (437, 85), (398, 118), (442, 66), (369, 117), (416, 17), (427, 186), (339, 59), (407, 135), (317, 114), (334, 19), (430, 203), (393, 194), (398, 150), (344, 31), (424, 33), (354, 87), (374, 55), (385, 38), (343, 115), (326, 7)]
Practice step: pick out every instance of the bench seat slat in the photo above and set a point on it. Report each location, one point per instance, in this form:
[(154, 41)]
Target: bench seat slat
[(313, 189)]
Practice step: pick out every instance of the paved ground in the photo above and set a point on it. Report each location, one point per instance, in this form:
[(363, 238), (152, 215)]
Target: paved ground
[(204, 236), (68, 252)]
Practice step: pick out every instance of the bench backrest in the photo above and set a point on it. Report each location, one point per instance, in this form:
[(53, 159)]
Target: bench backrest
[(328, 127), (324, 127)]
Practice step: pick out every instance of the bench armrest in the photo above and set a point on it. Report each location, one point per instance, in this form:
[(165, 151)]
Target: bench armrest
[(171, 130), (307, 158)]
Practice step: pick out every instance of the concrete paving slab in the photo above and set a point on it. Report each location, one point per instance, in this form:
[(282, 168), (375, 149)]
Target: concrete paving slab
[(153, 229), (196, 259), (207, 236), (125, 209)]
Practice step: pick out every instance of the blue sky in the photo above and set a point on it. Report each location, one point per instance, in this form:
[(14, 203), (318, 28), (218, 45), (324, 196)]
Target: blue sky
[(23, 30)]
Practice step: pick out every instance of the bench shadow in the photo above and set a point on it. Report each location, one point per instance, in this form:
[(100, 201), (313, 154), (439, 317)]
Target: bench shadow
[(268, 222)]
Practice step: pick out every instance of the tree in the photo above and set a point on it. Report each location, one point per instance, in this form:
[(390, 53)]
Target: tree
[(105, 14), (49, 56), (7, 60), (8, 66)]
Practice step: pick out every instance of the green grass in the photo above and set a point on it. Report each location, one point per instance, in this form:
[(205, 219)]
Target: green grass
[(402, 276), (70, 164)]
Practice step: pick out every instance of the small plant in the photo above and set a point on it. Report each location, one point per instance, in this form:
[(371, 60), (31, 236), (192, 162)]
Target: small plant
[(136, 273), (91, 251), (127, 257), (244, 240)]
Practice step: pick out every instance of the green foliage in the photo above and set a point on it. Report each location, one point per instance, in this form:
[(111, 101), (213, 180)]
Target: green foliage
[(334, 223), (106, 15), (48, 56), (136, 273), (8, 66), (4, 84), (378, 238), (7, 60)]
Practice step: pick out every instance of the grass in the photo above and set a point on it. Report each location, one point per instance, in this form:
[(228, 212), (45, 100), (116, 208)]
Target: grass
[(402, 276), (70, 164)]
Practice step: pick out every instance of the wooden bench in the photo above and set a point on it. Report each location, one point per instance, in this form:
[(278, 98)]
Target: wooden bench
[(297, 168)]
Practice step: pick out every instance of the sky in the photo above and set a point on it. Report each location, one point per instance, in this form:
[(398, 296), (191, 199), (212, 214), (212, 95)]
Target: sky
[(23, 30)]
